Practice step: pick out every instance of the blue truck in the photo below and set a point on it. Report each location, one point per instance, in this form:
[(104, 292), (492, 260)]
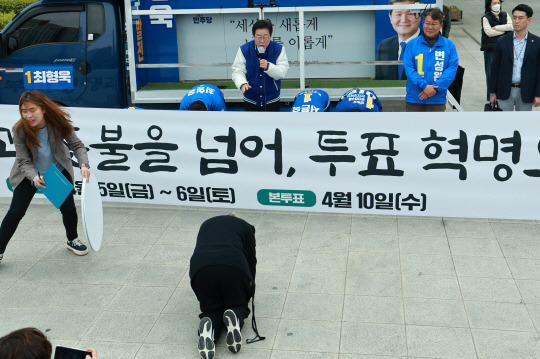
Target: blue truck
[(71, 50), (102, 53)]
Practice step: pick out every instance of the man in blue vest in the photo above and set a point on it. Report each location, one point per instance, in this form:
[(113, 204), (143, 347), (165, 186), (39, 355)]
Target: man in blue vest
[(258, 69)]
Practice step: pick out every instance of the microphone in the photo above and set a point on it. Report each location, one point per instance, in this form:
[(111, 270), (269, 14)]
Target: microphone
[(260, 50), (260, 54)]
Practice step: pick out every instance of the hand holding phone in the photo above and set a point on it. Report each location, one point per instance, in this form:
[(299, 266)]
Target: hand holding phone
[(93, 353), (71, 353)]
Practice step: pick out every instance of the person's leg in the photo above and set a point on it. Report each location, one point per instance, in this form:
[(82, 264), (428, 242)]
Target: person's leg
[(234, 334), (206, 287), (206, 344), (22, 196), (488, 58), (273, 107), (436, 108), (70, 220), (520, 105), (249, 107), (236, 292), (69, 217), (415, 107), (508, 104)]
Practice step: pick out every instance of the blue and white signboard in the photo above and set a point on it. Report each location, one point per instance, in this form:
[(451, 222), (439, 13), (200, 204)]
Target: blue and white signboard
[(155, 40), (48, 77)]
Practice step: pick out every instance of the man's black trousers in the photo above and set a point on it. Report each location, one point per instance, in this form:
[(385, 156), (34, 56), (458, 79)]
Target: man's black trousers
[(219, 288)]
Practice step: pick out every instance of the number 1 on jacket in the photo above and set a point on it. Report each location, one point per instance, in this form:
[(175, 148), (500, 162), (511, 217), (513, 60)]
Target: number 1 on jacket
[(419, 64)]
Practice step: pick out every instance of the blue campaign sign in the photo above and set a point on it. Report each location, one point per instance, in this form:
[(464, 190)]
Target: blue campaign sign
[(155, 40), (48, 77)]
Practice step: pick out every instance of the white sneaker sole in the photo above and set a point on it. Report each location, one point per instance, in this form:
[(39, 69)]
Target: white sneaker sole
[(76, 251), (79, 253), (206, 346), (234, 336)]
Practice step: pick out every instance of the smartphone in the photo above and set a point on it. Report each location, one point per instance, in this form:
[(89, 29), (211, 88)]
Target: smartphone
[(70, 353)]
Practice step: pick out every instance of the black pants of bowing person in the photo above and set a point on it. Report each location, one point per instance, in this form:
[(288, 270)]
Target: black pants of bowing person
[(219, 288)]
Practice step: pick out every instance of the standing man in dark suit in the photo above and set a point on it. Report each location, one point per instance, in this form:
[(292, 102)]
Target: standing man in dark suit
[(515, 70), (407, 26)]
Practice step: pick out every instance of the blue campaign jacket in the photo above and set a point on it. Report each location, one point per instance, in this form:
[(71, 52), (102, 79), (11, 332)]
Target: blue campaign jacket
[(255, 75), (357, 99), (311, 101), (210, 95), (438, 67)]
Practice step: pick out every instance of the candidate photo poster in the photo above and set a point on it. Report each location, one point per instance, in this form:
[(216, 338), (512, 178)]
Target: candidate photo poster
[(394, 28)]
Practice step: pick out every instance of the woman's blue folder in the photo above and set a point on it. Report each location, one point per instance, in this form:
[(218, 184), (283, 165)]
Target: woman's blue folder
[(57, 186)]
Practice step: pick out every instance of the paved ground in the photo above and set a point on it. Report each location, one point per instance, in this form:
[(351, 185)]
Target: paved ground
[(329, 286)]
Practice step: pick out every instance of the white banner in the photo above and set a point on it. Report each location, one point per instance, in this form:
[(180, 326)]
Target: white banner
[(434, 164)]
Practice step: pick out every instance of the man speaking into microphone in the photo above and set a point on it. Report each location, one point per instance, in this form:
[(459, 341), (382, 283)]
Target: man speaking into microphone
[(258, 69)]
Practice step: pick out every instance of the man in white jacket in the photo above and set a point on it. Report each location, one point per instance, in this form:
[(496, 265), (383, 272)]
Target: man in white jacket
[(258, 69)]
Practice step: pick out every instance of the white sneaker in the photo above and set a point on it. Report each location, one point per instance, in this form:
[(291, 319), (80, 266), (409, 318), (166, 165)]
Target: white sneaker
[(234, 337), (77, 247), (206, 346)]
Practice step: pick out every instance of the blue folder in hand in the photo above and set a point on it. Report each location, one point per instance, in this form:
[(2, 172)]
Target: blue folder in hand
[(57, 186)]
